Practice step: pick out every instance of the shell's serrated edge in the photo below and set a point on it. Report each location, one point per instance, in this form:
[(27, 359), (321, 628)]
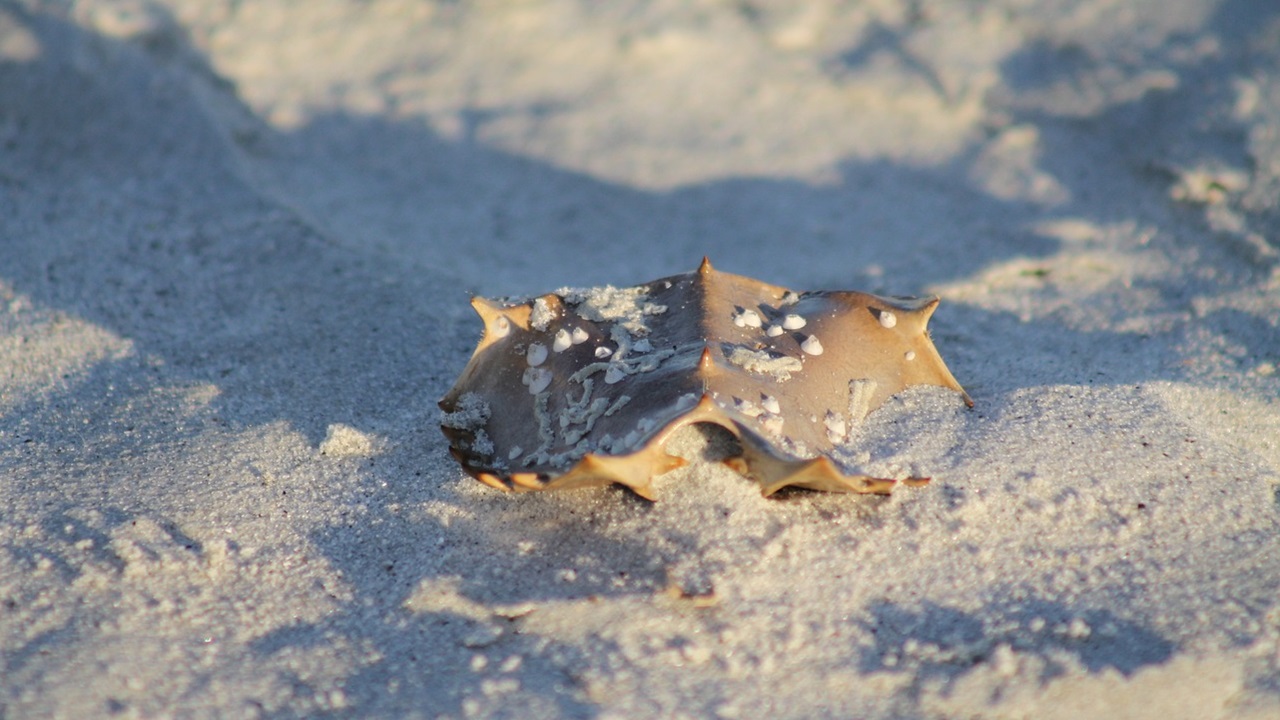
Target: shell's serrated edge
[(771, 413)]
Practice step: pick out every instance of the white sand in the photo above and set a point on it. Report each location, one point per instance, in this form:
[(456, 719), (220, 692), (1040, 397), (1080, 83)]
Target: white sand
[(236, 245)]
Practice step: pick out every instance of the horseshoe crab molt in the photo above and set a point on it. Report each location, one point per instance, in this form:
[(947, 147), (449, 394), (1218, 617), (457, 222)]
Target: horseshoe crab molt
[(583, 387)]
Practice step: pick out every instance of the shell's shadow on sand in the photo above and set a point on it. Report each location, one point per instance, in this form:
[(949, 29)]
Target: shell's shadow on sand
[(934, 639)]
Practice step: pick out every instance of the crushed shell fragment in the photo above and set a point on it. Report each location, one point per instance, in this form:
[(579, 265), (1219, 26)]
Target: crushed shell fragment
[(677, 357)]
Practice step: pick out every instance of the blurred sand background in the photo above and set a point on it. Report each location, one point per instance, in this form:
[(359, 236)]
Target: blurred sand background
[(237, 240)]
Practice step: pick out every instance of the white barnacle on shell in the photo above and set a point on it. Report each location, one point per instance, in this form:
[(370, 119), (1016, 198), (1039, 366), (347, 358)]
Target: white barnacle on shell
[(536, 354), (747, 318), (537, 379), (746, 407), (563, 341)]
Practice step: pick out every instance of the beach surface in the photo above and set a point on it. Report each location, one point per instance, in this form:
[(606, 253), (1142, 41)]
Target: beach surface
[(237, 245)]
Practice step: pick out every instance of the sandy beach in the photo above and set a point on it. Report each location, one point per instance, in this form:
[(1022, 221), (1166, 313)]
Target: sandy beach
[(237, 246)]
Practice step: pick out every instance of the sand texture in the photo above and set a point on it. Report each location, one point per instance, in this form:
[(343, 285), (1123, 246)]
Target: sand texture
[(237, 243)]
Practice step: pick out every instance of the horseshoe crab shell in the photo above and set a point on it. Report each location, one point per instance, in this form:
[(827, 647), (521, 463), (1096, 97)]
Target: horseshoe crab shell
[(583, 387)]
